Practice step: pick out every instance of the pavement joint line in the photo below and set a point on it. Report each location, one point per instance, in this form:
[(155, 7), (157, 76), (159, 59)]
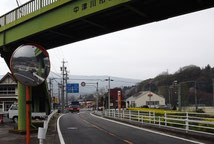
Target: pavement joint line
[(101, 129), (59, 131), (143, 129)]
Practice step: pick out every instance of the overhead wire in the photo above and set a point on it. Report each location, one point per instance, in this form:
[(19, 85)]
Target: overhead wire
[(57, 74)]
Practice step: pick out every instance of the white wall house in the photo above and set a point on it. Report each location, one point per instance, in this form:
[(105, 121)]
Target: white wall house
[(8, 92), (142, 98)]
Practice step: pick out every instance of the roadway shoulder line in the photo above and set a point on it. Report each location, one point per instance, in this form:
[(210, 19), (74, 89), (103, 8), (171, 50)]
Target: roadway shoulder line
[(59, 131), (147, 130)]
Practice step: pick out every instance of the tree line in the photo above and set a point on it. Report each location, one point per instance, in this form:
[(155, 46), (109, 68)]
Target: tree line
[(195, 82)]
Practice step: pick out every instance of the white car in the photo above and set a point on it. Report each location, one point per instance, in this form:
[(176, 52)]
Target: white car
[(13, 113)]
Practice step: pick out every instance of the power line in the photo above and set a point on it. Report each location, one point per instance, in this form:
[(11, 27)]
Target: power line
[(90, 79), (18, 3), (56, 74), (125, 81)]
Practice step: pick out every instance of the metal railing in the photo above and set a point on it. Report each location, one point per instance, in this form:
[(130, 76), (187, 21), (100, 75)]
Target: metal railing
[(42, 131), (24, 10), (187, 121)]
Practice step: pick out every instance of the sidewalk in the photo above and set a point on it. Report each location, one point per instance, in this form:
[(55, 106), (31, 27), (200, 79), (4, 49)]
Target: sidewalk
[(7, 137)]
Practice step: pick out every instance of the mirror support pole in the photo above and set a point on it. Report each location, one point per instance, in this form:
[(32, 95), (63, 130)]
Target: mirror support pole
[(22, 107)]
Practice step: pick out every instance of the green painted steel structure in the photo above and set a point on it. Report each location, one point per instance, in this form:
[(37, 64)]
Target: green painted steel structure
[(62, 21), (36, 16), (22, 107)]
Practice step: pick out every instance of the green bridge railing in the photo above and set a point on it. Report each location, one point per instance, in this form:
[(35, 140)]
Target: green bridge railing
[(23, 10)]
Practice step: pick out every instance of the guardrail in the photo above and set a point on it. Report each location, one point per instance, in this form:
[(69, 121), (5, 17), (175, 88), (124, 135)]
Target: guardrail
[(42, 131), (24, 10), (195, 122)]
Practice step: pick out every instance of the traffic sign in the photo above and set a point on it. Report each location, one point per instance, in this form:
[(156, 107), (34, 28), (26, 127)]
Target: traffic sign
[(83, 84), (72, 88), (150, 95)]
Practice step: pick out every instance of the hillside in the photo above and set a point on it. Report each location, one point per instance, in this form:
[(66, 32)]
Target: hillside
[(167, 85)]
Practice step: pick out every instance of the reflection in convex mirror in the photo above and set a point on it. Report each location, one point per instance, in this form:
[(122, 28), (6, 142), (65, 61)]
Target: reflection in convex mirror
[(30, 64)]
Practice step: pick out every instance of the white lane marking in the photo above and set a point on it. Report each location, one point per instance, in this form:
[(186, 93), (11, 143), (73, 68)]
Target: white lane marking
[(59, 131), (147, 130)]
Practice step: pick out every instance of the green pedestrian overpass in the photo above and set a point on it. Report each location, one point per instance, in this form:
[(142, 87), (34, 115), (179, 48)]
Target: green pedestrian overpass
[(53, 23)]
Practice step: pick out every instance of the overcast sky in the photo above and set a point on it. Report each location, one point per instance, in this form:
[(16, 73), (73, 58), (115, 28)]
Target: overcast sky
[(141, 52)]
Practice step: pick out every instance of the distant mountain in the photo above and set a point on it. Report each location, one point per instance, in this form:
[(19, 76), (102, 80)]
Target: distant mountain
[(91, 82)]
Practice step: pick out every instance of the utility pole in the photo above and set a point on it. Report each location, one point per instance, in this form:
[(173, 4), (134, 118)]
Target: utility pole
[(50, 83), (17, 3), (63, 69), (59, 86), (51, 91), (66, 81)]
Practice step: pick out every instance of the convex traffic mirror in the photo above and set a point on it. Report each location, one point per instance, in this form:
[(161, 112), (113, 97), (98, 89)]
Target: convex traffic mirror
[(30, 64)]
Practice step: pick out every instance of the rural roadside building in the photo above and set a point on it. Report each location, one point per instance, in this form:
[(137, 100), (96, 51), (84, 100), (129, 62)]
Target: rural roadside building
[(8, 92), (145, 98)]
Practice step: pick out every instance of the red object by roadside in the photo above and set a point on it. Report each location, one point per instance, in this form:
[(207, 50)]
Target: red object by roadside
[(1, 120), (71, 108)]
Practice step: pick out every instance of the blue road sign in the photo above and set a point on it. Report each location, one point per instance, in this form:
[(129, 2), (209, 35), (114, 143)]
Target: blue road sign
[(72, 88)]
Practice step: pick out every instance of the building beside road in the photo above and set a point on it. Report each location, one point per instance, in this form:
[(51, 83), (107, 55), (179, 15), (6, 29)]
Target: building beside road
[(8, 92), (145, 98)]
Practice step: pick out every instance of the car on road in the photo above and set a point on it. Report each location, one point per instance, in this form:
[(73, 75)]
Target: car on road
[(145, 106), (75, 107), (162, 107)]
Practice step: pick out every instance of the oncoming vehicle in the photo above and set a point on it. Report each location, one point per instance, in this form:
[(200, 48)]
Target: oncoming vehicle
[(75, 107)]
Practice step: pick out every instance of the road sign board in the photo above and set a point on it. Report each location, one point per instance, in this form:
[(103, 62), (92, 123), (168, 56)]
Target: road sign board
[(150, 95), (72, 88), (83, 84)]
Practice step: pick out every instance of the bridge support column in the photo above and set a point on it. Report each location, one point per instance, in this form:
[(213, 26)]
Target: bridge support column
[(22, 107)]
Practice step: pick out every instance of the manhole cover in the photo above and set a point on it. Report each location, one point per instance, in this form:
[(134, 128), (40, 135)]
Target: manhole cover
[(72, 128)]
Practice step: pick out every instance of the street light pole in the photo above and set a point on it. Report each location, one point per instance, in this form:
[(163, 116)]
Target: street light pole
[(196, 102), (213, 92), (97, 97), (179, 97), (109, 93), (83, 84), (195, 93)]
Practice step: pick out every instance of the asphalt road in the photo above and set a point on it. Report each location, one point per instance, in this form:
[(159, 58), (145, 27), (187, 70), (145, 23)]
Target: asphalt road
[(83, 128)]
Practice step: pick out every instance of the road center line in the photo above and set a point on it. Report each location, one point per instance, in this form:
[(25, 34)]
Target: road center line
[(101, 129)]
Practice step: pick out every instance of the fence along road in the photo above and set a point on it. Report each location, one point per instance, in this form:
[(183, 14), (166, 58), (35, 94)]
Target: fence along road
[(202, 123), (84, 128)]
